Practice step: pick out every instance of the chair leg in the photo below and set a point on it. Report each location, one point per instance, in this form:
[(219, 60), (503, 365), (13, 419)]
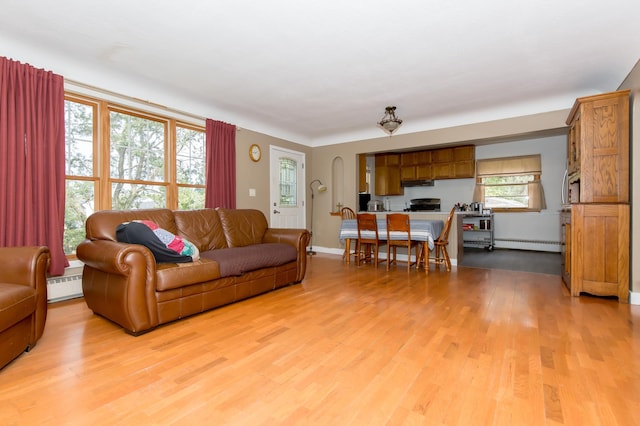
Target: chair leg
[(447, 260)]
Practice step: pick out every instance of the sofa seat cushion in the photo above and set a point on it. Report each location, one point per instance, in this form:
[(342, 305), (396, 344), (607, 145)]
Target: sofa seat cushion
[(238, 260), (16, 303), (175, 275)]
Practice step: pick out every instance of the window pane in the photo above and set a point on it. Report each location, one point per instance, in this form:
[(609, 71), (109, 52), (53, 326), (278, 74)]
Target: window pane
[(512, 196), (137, 148), (288, 183), (190, 156), (79, 204), (507, 191), (78, 124), (190, 198), (127, 196)]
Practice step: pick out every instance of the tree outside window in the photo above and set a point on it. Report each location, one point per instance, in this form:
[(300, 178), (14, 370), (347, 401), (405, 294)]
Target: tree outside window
[(152, 162)]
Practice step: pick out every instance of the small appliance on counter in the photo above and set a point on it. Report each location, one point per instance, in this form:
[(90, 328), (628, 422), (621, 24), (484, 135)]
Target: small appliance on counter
[(375, 206), (424, 205), (363, 202)]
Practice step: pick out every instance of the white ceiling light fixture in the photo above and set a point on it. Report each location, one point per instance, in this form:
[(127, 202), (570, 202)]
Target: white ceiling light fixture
[(390, 122)]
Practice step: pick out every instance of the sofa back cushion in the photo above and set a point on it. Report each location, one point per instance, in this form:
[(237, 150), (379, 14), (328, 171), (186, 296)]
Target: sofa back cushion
[(243, 227), (202, 227), (101, 225)]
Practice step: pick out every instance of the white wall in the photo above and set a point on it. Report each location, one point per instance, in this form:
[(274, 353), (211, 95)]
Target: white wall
[(542, 226)]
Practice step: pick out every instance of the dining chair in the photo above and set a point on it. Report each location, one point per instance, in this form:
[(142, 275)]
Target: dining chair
[(399, 222), (365, 246), (348, 213), (441, 255)]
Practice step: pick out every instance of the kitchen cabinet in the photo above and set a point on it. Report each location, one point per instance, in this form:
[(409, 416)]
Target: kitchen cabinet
[(477, 230), (597, 249), (442, 163), (415, 165), (464, 162), (598, 148), (387, 174), (363, 185), (595, 237), (565, 247)]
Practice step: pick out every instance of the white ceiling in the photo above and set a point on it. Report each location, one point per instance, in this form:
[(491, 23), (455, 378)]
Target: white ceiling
[(321, 72)]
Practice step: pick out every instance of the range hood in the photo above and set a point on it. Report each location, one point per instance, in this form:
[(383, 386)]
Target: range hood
[(418, 182)]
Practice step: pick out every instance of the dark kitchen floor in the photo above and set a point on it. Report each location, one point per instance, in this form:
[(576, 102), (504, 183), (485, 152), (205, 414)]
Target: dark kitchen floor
[(515, 260)]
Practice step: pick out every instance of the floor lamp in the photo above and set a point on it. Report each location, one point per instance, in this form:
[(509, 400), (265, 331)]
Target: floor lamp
[(321, 188)]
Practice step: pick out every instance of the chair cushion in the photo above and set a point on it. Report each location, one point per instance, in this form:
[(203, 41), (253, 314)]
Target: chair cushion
[(16, 303)]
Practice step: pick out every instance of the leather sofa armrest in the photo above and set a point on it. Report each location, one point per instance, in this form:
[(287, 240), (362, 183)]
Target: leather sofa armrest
[(21, 265), (113, 257), (131, 268), (299, 238), (28, 266)]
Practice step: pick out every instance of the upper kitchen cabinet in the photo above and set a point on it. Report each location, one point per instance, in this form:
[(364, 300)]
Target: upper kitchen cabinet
[(454, 163), (363, 184), (598, 148), (415, 165), (387, 174)]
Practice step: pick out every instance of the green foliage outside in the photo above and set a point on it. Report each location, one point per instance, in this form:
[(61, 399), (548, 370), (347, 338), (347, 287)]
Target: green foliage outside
[(137, 166)]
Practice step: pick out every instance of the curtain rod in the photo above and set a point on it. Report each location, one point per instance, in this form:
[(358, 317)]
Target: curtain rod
[(130, 98)]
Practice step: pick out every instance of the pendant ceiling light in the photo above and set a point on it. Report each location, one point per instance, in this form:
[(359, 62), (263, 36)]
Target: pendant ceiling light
[(390, 122)]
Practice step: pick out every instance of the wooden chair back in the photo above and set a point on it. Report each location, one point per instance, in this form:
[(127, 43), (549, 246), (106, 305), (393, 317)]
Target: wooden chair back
[(368, 222), (347, 213), (399, 222), (441, 255), (444, 234)]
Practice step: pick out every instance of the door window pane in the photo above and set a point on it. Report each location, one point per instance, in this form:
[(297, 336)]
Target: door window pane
[(288, 183)]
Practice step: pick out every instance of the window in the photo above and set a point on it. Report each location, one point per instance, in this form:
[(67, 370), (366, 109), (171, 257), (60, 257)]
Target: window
[(510, 184), (151, 161), (288, 183)]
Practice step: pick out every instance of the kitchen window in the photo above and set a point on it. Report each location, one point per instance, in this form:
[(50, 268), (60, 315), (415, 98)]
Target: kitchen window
[(510, 184)]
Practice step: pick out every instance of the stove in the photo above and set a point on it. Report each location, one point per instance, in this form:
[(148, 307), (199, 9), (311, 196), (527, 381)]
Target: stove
[(424, 205)]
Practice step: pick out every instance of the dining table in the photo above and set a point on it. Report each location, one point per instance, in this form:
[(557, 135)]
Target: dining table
[(422, 230)]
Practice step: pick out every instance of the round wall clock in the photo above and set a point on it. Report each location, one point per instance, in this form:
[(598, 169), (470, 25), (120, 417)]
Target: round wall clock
[(255, 152)]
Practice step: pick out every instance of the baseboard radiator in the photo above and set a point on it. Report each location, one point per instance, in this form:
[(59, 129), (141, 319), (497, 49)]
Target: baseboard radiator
[(67, 286), (534, 245)]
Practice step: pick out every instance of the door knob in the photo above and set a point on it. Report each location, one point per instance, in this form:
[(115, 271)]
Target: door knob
[(275, 211)]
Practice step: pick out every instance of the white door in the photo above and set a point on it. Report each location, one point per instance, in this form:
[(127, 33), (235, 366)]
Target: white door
[(287, 188)]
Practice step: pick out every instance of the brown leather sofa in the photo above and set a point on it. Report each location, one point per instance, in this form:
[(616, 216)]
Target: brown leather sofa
[(23, 299), (124, 283)]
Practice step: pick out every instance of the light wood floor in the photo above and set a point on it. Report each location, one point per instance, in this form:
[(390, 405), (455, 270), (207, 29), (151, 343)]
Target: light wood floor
[(349, 346)]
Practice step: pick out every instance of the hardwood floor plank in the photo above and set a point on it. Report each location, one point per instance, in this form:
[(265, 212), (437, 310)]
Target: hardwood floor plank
[(350, 346)]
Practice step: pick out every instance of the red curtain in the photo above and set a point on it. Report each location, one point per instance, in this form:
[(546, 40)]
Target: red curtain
[(221, 165), (32, 159)]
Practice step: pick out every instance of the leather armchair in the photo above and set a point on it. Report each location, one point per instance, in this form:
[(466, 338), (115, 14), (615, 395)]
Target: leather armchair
[(23, 299)]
